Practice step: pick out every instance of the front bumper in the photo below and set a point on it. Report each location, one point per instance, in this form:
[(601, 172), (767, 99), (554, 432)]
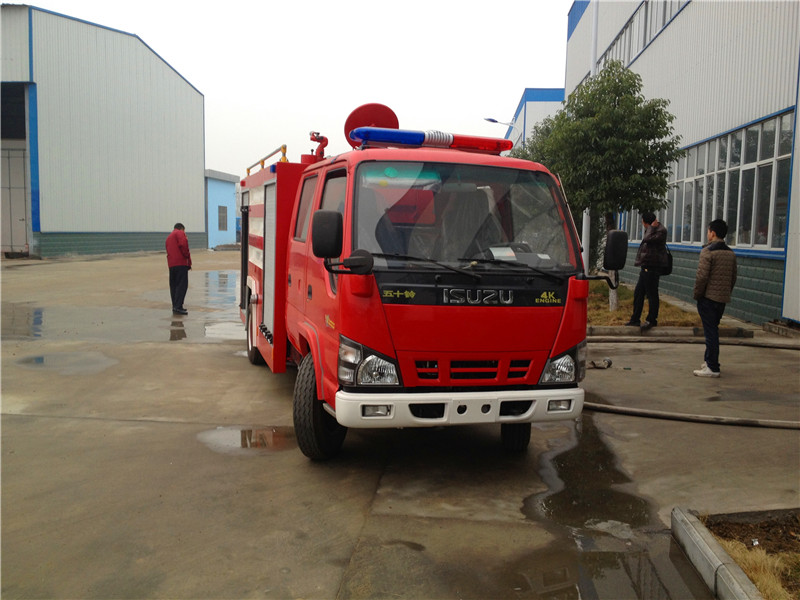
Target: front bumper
[(435, 409)]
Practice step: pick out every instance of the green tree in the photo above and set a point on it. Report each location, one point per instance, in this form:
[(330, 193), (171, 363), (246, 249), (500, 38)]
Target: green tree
[(611, 147)]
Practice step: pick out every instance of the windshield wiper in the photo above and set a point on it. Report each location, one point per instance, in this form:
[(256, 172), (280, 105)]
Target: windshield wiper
[(517, 266), (431, 261)]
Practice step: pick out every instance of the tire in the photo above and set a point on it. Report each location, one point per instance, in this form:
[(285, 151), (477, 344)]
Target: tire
[(515, 436), (253, 353), (319, 435)]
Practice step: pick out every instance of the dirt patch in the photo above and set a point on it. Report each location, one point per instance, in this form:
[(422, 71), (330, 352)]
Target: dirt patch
[(776, 532)]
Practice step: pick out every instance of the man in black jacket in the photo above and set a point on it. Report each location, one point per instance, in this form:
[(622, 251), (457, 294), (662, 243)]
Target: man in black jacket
[(652, 258)]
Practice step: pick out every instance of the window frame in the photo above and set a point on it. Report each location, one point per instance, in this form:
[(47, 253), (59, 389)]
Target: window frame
[(742, 171)]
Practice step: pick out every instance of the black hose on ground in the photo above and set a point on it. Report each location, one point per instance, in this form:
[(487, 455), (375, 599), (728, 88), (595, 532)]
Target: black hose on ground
[(708, 419)]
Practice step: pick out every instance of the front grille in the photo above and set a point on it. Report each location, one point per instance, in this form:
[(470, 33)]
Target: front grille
[(518, 369), (471, 370), (427, 369)]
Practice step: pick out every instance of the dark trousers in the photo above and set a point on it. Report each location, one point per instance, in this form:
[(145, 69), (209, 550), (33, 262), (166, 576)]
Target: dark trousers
[(711, 314), (647, 286), (178, 284)]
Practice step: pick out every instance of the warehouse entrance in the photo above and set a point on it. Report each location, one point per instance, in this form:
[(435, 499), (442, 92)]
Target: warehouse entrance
[(15, 205)]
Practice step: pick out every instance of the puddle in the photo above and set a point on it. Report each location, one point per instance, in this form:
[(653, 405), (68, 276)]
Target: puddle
[(246, 440), (69, 363), (600, 550), (220, 293), (176, 331), (221, 289), (226, 331), (21, 321), (447, 560), (560, 571), (582, 494), (213, 317)]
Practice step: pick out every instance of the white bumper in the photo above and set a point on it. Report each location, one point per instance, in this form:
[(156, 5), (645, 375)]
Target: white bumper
[(454, 408)]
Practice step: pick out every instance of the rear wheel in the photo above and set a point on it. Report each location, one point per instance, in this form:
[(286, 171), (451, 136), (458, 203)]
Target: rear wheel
[(253, 353), (515, 436), (319, 435)]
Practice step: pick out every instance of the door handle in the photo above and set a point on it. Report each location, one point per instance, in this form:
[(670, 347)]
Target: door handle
[(309, 292)]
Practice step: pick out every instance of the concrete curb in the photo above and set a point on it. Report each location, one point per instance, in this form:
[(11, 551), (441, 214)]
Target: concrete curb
[(722, 575), (621, 331)]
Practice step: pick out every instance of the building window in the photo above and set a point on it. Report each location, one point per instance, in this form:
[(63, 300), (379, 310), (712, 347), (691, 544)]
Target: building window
[(222, 218), (742, 177), (644, 25)]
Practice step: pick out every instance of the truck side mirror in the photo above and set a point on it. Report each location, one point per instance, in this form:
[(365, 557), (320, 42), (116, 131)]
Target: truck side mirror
[(616, 250), (326, 242), (326, 234), (360, 262), (614, 257)]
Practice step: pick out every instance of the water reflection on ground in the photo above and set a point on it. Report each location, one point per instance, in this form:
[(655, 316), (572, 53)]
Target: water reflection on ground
[(213, 316), (610, 543), (243, 440)]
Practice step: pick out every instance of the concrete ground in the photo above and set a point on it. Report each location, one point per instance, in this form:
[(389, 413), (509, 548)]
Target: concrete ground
[(144, 457)]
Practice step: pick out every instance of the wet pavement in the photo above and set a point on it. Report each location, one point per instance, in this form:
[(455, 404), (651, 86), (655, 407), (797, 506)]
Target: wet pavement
[(144, 457)]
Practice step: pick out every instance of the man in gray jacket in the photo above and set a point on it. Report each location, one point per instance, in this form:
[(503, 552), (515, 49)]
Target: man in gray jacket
[(716, 276)]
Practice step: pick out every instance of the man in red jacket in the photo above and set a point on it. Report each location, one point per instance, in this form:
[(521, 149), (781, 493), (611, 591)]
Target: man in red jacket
[(179, 261)]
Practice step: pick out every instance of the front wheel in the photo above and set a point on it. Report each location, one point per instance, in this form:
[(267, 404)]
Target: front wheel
[(515, 436), (319, 435)]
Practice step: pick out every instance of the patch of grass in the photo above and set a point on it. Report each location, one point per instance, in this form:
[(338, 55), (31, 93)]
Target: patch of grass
[(599, 315), (766, 571)]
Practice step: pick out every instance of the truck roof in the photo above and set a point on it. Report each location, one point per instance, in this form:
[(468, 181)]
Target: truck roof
[(441, 155)]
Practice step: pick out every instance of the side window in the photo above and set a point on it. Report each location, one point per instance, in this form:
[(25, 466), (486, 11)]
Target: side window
[(333, 196), (304, 210)]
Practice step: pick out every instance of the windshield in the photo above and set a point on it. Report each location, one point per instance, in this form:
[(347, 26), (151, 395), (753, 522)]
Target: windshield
[(452, 213)]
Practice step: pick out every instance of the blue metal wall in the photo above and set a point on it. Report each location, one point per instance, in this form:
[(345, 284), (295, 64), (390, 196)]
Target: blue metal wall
[(221, 193)]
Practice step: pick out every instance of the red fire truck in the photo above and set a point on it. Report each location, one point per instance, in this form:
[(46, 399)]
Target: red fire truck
[(419, 280)]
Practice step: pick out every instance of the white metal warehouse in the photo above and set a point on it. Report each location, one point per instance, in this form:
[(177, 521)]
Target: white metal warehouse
[(730, 73), (102, 140)]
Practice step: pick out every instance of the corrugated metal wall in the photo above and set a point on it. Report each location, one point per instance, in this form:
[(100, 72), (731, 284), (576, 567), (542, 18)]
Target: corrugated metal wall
[(68, 244), (709, 61), (120, 133), (611, 19), (579, 47), (14, 64), (724, 64)]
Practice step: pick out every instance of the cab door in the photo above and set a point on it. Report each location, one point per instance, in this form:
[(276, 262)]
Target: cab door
[(299, 244), (322, 304)]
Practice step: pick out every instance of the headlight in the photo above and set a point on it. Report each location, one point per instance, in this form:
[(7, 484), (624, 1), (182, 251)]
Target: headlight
[(376, 371), (559, 370), (359, 365), (567, 368)]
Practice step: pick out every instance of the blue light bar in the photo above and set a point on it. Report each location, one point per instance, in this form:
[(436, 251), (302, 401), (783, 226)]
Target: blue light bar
[(380, 136)]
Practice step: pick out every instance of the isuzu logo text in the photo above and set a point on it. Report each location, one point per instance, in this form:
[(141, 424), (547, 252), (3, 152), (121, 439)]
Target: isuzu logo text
[(464, 296)]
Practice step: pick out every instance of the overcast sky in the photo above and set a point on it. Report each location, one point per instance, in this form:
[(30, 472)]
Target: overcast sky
[(271, 72)]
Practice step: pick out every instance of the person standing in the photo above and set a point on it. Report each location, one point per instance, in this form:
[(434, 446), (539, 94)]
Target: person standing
[(716, 276), (652, 258), (179, 261)]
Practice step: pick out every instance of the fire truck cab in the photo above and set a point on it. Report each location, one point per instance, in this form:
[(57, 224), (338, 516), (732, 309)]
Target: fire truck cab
[(419, 280)]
